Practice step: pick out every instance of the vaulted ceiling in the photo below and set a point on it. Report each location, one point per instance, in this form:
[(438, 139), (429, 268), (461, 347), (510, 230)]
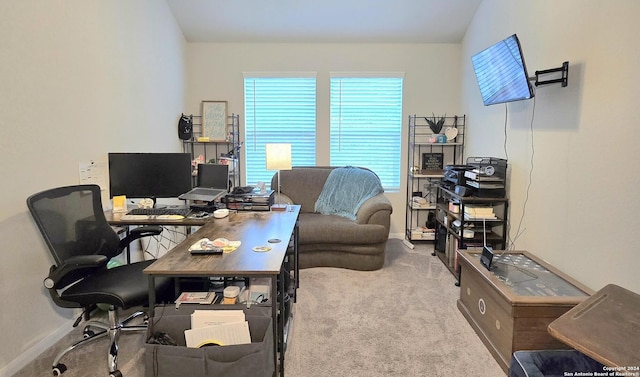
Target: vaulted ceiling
[(324, 21)]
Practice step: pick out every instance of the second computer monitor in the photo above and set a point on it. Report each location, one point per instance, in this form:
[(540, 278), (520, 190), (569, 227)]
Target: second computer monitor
[(213, 176)]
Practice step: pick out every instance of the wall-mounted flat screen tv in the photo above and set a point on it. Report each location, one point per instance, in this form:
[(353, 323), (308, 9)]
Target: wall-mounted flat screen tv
[(501, 72)]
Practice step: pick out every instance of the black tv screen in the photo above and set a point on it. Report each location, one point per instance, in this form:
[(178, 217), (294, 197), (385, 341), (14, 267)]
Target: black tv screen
[(149, 175), (501, 73)]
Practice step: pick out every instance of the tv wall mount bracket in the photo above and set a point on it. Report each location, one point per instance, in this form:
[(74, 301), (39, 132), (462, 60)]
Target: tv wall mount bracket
[(563, 80)]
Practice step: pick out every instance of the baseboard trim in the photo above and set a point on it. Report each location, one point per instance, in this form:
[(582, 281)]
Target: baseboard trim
[(34, 351)]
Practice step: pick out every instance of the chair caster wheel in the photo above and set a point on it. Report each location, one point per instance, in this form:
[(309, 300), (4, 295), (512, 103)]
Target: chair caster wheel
[(88, 333), (59, 369), (115, 373)]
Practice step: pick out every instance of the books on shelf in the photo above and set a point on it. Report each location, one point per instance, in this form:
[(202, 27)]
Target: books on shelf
[(479, 212), (423, 233), (418, 202), (204, 298)]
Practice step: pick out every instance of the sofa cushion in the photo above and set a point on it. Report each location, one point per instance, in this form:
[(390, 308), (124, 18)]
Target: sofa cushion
[(302, 187), (326, 229)]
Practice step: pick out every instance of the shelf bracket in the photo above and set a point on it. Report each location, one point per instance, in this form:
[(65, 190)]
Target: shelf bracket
[(563, 80)]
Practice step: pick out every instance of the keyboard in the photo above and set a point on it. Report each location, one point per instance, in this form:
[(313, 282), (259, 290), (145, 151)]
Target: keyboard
[(159, 211)]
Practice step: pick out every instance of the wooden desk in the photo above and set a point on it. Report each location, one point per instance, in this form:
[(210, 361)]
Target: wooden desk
[(511, 306), (605, 327), (252, 229)]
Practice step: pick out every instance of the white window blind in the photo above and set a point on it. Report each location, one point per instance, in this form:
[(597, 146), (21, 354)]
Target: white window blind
[(366, 125), (278, 110)]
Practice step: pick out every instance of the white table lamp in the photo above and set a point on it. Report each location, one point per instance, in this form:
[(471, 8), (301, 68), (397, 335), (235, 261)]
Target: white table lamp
[(278, 158)]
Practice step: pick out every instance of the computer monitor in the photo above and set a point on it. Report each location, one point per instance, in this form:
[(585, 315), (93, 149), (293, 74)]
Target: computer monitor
[(149, 175)]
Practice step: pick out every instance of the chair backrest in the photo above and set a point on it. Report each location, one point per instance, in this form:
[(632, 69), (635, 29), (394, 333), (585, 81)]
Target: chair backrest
[(72, 222)]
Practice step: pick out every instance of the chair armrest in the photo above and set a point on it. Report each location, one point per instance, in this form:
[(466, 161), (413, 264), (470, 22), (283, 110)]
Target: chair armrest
[(139, 232), (73, 269), (375, 210)]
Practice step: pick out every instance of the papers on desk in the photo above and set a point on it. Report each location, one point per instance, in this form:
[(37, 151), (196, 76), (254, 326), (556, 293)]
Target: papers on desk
[(223, 243), (217, 327)]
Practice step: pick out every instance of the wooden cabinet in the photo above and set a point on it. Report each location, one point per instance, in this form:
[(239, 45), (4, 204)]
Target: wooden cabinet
[(511, 306)]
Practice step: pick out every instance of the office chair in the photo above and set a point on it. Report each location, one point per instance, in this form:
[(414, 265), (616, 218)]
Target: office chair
[(73, 225)]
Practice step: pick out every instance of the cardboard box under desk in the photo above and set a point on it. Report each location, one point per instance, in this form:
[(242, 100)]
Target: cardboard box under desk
[(244, 360)]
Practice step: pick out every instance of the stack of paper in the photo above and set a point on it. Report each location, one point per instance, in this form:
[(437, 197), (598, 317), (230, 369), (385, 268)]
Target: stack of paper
[(419, 202), (422, 233), (479, 212), (217, 327)]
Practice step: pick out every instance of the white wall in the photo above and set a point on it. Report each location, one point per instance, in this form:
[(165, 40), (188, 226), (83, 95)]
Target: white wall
[(431, 82), (79, 79), (581, 213)]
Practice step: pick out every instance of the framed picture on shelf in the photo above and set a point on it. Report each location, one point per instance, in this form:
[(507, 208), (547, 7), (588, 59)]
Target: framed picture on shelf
[(432, 163), (214, 120)]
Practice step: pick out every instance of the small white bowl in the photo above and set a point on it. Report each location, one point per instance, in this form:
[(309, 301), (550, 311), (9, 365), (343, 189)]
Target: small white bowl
[(221, 213)]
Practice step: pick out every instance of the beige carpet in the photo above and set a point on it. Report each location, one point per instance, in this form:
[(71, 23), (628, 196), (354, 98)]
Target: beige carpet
[(399, 321)]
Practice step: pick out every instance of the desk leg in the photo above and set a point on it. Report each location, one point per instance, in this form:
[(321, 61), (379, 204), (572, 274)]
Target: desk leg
[(282, 319), (128, 246), (152, 296), (274, 319), (295, 261)]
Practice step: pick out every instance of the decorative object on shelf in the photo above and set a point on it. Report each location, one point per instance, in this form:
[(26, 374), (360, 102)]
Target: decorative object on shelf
[(233, 152), (435, 123), (450, 133), (214, 120), (194, 164), (278, 158), (432, 162), (185, 127)]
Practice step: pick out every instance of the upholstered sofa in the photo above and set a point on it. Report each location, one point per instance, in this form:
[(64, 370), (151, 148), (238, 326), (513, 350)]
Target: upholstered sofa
[(333, 240)]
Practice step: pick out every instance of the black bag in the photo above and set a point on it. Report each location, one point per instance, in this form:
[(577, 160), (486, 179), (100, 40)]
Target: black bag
[(185, 127)]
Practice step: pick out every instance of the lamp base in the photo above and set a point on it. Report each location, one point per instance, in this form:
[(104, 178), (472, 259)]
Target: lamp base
[(279, 207)]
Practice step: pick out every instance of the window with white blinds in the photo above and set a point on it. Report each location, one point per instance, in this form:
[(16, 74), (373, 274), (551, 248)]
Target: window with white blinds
[(366, 125), (278, 110)]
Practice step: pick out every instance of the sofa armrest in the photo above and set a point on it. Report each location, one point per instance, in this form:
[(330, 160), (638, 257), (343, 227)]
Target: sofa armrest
[(376, 210)]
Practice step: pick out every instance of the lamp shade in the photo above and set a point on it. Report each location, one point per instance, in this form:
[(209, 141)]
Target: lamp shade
[(278, 156)]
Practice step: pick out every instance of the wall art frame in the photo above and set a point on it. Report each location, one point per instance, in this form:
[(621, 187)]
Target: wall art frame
[(214, 120)]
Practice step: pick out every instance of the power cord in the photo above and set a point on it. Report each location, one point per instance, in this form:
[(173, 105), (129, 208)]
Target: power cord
[(510, 246), (512, 240)]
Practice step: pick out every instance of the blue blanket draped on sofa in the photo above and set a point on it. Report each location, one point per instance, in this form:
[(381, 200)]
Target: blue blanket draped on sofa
[(345, 190)]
